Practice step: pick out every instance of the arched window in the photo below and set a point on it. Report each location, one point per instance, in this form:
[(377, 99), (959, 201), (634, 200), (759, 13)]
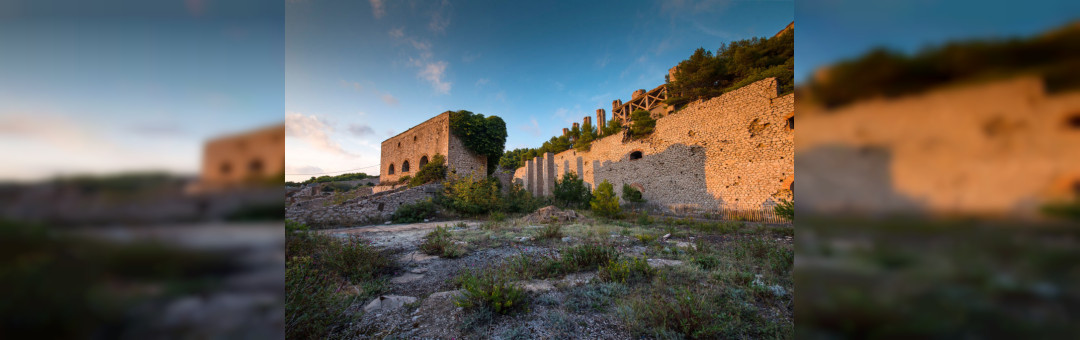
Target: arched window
[(423, 161), (635, 155), (1073, 121), (405, 166), (255, 167), (391, 172), (226, 168)]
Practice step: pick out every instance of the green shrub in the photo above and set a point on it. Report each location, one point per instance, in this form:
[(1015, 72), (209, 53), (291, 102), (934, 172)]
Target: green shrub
[(440, 243), (571, 192), (785, 209), (604, 202), (587, 256), (482, 135), (646, 238), (519, 200), (313, 308), (1065, 210), (594, 297), (626, 271), (497, 216), (641, 123), (707, 262), (551, 231), (414, 213), (490, 289), (631, 195), (353, 258), (644, 219), (434, 170), (405, 179), (470, 196)]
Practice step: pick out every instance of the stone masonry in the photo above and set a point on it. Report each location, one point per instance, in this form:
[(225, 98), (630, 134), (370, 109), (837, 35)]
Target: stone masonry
[(735, 151), (403, 154), (358, 211)]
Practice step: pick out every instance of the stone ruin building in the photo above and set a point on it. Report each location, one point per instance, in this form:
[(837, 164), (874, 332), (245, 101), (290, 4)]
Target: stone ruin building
[(237, 160), (731, 152), (406, 152)]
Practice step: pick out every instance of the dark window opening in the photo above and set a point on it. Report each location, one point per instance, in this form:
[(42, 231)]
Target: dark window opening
[(399, 144), (1076, 188), (226, 168), (1073, 121), (405, 166), (414, 138), (423, 161), (791, 123), (635, 155), (391, 172), (255, 166), (381, 206)]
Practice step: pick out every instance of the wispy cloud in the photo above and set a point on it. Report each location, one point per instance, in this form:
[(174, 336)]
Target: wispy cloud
[(352, 84), (532, 128), (389, 99), (434, 73), (360, 130), (482, 81), (304, 170), (440, 18), (377, 8), (397, 33), (313, 131), (58, 131)]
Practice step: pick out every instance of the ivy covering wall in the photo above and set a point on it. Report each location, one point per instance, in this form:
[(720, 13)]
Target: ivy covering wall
[(482, 135)]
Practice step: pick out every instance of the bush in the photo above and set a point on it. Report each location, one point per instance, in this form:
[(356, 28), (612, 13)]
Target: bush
[(490, 289), (440, 243), (434, 170), (631, 195), (552, 231), (646, 238), (353, 258), (642, 123), (405, 179), (587, 256), (312, 305), (519, 200), (626, 271), (604, 202), (483, 136), (470, 196), (785, 209), (707, 262), (414, 213), (571, 192), (644, 219)]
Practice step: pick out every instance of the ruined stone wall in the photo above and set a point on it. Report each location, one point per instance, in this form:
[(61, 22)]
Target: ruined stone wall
[(734, 151), (425, 139), (996, 148), (358, 211), (232, 161)]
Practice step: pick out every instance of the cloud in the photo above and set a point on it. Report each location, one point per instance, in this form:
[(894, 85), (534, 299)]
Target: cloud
[(482, 81), (158, 130), (352, 84), (440, 18), (314, 131), (377, 8), (397, 33), (56, 130), (360, 130), (434, 72), (602, 62), (470, 57), (304, 170), (389, 99), (533, 128), (559, 86)]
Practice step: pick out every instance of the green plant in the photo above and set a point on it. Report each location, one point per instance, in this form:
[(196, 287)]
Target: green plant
[(571, 192), (405, 179), (1067, 210), (641, 123), (519, 200), (594, 297), (604, 202), (644, 219), (645, 238), (632, 195), (490, 289), (587, 256), (551, 231), (471, 196), (626, 271), (484, 136), (497, 216), (413, 213), (434, 170), (785, 209), (741, 62), (440, 243), (707, 262), (313, 308)]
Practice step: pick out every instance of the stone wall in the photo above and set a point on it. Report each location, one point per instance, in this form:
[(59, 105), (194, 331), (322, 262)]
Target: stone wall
[(426, 140), (358, 211), (236, 160), (734, 151), (997, 148)]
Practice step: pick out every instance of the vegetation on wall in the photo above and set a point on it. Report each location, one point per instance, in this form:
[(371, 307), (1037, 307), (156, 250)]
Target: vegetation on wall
[(641, 123), (705, 75), (887, 73), (324, 179), (482, 135), (632, 195), (580, 138), (434, 170)]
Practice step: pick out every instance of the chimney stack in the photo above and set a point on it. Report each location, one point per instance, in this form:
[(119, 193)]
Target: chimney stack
[(586, 121), (601, 118), (565, 131)]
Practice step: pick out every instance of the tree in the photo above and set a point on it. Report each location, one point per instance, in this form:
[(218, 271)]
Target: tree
[(641, 123), (630, 194), (586, 137), (604, 202), (612, 127), (483, 136), (571, 192)]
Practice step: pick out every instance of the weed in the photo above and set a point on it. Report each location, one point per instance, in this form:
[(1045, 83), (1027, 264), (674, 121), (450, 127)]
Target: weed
[(707, 262), (644, 219), (440, 243), (413, 213), (490, 288), (497, 216), (551, 231), (595, 297), (626, 271), (587, 256), (646, 238), (312, 304)]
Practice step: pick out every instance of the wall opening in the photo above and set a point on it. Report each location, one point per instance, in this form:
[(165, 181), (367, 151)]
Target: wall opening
[(225, 168), (791, 123), (414, 138), (391, 172), (1073, 122), (405, 166), (399, 144), (255, 166), (423, 161), (635, 155)]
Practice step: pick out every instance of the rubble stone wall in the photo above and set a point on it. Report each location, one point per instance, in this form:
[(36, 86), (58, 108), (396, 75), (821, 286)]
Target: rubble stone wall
[(358, 211)]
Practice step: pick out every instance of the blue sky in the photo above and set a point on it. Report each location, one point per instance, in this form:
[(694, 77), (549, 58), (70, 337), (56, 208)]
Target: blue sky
[(107, 86), (358, 72), (832, 30)]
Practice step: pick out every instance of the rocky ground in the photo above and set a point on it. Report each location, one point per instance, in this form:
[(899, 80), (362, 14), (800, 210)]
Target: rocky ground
[(419, 300)]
